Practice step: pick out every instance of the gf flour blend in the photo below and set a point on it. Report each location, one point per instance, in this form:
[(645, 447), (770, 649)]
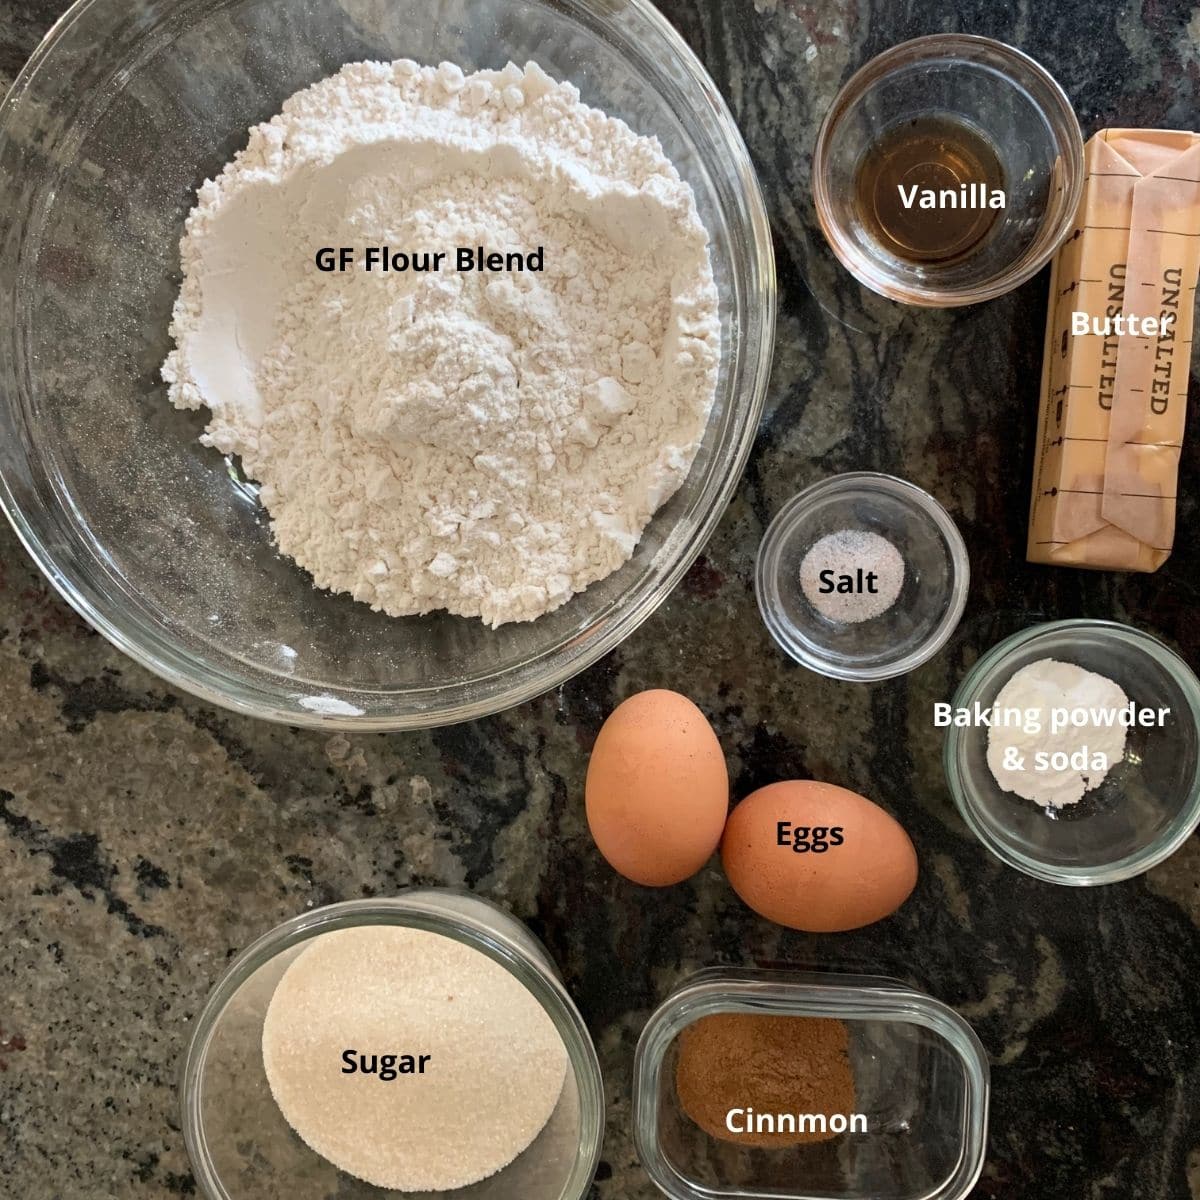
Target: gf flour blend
[(487, 442)]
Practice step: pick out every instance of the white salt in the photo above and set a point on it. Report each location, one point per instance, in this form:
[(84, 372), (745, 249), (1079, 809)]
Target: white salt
[(868, 568), (493, 1071)]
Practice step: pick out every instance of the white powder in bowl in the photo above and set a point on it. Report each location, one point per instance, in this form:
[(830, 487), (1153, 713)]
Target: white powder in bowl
[(1056, 767), (494, 1071), (488, 443), (867, 568)]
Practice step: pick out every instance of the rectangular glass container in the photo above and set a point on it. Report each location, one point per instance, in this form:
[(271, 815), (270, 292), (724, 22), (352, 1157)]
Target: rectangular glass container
[(921, 1080)]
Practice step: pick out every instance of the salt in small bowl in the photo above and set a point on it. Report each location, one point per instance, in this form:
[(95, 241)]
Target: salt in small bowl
[(931, 599)]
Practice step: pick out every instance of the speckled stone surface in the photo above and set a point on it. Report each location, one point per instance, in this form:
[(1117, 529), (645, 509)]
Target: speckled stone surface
[(145, 837)]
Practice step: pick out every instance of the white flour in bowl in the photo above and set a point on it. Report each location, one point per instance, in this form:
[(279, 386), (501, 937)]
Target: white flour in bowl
[(489, 443)]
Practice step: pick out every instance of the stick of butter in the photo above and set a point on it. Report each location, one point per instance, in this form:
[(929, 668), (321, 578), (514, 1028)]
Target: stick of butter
[(1114, 398)]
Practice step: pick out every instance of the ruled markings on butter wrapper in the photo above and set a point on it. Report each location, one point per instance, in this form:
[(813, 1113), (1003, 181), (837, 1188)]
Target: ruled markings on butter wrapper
[(1113, 398)]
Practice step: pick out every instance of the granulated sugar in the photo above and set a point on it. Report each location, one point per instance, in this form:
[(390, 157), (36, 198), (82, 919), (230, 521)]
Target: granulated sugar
[(493, 1069), (854, 554)]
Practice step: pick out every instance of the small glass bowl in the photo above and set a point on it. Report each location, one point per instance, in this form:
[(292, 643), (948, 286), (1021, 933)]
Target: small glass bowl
[(242, 1148), (936, 577), (1003, 95), (921, 1080), (1148, 805)]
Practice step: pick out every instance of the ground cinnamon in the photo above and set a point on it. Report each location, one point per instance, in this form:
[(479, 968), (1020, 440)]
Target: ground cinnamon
[(772, 1065)]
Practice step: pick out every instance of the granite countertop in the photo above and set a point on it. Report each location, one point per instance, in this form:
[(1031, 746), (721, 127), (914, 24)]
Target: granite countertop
[(146, 837)]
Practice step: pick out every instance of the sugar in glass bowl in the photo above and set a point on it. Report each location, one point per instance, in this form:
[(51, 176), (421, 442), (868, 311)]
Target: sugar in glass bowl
[(124, 110), (241, 1147)]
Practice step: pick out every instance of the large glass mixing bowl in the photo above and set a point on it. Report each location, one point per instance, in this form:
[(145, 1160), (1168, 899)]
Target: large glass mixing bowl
[(124, 110)]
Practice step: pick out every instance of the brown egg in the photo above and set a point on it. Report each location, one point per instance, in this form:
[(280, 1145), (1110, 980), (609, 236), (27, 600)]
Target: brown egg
[(657, 789), (817, 857)]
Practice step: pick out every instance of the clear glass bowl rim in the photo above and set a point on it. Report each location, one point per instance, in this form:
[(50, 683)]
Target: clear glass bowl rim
[(417, 909), (810, 994), (991, 665), (934, 46), (158, 651), (781, 529)]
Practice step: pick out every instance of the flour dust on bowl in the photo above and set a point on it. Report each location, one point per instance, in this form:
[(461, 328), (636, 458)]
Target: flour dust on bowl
[(918, 1093), (422, 1044), (163, 543)]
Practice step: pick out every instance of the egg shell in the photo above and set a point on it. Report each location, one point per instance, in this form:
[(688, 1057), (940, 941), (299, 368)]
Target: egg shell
[(657, 789), (863, 880)]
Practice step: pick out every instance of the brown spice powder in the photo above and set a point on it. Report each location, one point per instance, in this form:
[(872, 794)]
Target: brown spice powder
[(770, 1064)]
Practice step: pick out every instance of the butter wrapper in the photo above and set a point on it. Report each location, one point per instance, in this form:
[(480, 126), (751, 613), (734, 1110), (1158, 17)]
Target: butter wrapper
[(1113, 406)]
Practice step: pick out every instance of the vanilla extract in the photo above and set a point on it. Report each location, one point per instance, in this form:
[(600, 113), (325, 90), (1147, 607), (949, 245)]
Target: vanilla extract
[(930, 189)]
